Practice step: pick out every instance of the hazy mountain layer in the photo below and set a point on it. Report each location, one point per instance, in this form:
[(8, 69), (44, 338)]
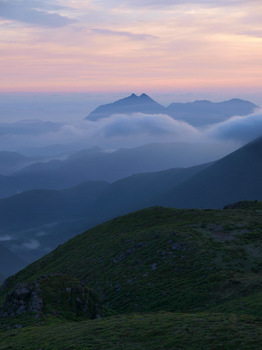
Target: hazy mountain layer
[(200, 113), (9, 262), (40, 220), (95, 164), (141, 190), (37, 221), (127, 105), (233, 178), (12, 161), (196, 113)]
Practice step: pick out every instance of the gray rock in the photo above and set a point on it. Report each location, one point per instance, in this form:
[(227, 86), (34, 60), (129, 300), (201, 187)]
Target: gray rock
[(153, 266)]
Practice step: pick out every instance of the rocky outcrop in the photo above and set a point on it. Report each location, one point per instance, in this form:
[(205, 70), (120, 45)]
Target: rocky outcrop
[(59, 295), (24, 298)]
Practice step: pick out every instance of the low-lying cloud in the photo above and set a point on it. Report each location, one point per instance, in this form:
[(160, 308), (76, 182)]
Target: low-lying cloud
[(241, 129), (127, 130), (31, 244), (29, 127), (5, 238)]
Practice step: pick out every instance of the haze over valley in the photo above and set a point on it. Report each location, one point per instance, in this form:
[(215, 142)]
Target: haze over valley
[(148, 158)]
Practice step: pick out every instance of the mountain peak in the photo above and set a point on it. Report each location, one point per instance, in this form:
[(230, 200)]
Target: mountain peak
[(127, 105), (144, 95)]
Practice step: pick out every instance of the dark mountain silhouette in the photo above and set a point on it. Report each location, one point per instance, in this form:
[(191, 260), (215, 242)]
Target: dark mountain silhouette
[(51, 217), (201, 113), (235, 177), (96, 164), (196, 113), (141, 190), (13, 161), (39, 220), (9, 262), (37, 207), (127, 105)]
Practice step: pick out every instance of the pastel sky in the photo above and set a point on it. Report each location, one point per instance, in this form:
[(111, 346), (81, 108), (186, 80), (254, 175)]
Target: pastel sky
[(130, 45)]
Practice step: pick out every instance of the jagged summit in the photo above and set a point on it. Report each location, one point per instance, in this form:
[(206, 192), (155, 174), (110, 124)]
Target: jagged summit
[(197, 113), (134, 96), (144, 96), (128, 105)]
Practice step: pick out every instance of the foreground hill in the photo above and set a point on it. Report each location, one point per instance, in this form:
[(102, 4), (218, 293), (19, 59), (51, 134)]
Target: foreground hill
[(164, 259), (233, 178), (147, 331), (194, 274)]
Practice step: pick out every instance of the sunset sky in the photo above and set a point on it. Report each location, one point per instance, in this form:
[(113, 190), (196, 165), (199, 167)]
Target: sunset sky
[(131, 45)]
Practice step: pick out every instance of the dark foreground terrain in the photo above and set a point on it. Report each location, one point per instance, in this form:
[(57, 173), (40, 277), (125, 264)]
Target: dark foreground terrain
[(159, 278)]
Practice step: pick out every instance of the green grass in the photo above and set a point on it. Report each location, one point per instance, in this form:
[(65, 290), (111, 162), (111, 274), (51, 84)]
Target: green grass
[(146, 331), (172, 266), (162, 259)]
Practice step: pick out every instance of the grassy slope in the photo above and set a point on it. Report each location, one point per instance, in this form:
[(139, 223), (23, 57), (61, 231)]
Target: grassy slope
[(168, 260), (163, 259), (146, 331)]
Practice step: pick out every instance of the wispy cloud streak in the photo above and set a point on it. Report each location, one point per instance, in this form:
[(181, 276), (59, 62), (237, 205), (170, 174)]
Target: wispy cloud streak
[(33, 13), (109, 32)]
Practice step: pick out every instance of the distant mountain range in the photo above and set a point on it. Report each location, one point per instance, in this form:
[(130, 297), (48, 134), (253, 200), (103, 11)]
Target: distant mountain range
[(233, 178), (9, 262), (95, 164), (13, 161), (40, 220), (127, 105), (196, 113)]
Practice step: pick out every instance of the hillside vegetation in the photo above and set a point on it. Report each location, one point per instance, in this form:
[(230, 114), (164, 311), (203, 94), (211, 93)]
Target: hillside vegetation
[(167, 279)]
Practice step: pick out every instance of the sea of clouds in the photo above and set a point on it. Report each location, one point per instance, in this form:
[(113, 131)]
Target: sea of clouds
[(126, 130)]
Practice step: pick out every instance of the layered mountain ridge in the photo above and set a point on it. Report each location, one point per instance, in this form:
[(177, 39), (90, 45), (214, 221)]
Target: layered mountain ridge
[(58, 215), (196, 113)]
